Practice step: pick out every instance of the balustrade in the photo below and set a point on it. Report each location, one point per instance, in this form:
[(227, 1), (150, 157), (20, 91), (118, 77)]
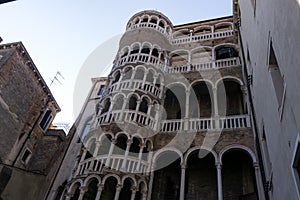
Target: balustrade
[(97, 164)]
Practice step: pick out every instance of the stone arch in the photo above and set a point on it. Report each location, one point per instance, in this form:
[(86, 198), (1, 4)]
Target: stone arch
[(130, 177), (204, 29), (238, 147), (209, 150), (89, 178), (111, 175), (163, 150)]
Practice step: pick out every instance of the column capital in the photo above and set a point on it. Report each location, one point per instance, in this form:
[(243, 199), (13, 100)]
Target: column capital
[(100, 186), (183, 166), (118, 187), (113, 141), (256, 165), (219, 165), (129, 142), (83, 189)]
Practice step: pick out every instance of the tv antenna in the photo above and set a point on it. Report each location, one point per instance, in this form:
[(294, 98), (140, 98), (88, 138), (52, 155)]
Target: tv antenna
[(56, 78)]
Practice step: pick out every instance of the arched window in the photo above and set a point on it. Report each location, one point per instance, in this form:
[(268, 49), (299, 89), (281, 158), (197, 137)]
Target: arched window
[(155, 52), (132, 103), (139, 74), (116, 77), (119, 103), (175, 102), (144, 106)]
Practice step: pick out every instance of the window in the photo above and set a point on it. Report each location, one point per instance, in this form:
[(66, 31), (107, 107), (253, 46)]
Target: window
[(46, 120), (101, 90), (226, 52), (26, 156), (277, 78)]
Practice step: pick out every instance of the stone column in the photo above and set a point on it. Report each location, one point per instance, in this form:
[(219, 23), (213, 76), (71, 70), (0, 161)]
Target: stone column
[(118, 190), (149, 56), (219, 175), (111, 149), (187, 109), (129, 141), (68, 196), (82, 192), (154, 82), (189, 61), (216, 109), (133, 192), (137, 109), (182, 181), (99, 192), (142, 146), (144, 78), (125, 102), (150, 106)]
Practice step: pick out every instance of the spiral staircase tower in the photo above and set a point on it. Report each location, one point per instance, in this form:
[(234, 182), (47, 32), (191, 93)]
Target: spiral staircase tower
[(172, 122)]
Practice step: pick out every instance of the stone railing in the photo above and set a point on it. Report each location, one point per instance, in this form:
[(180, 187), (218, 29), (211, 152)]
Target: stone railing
[(201, 124), (152, 26), (134, 85), (218, 64), (114, 162), (139, 57), (128, 116), (207, 36)]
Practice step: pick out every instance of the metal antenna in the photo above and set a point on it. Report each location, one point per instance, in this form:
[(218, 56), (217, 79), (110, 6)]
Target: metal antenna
[(55, 78)]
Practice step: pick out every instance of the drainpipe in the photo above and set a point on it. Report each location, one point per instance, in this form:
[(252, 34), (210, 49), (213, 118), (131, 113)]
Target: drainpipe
[(257, 142)]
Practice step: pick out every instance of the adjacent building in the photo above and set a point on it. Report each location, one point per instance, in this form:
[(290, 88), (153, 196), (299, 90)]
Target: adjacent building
[(30, 150)]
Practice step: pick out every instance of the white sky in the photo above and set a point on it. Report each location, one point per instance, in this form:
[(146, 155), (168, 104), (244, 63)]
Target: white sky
[(61, 34)]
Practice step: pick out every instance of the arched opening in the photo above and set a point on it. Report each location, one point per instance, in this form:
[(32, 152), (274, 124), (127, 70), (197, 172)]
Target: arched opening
[(146, 150), (135, 147), (91, 146), (201, 99), (125, 193), (91, 193), (75, 191), (145, 20), (153, 21), (139, 74), (238, 176), (144, 105), (233, 105), (175, 102), (182, 33), (226, 52), (202, 30), (106, 106), (116, 77), (201, 55), (141, 188), (223, 27), (125, 52), (127, 73), (179, 58), (201, 176), (136, 21), (118, 103), (145, 50), (106, 142), (135, 49), (150, 76), (161, 24), (109, 190), (132, 102), (121, 144), (166, 183), (155, 52)]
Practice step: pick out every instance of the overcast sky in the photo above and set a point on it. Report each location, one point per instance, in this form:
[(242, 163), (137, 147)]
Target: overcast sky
[(60, 35)]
